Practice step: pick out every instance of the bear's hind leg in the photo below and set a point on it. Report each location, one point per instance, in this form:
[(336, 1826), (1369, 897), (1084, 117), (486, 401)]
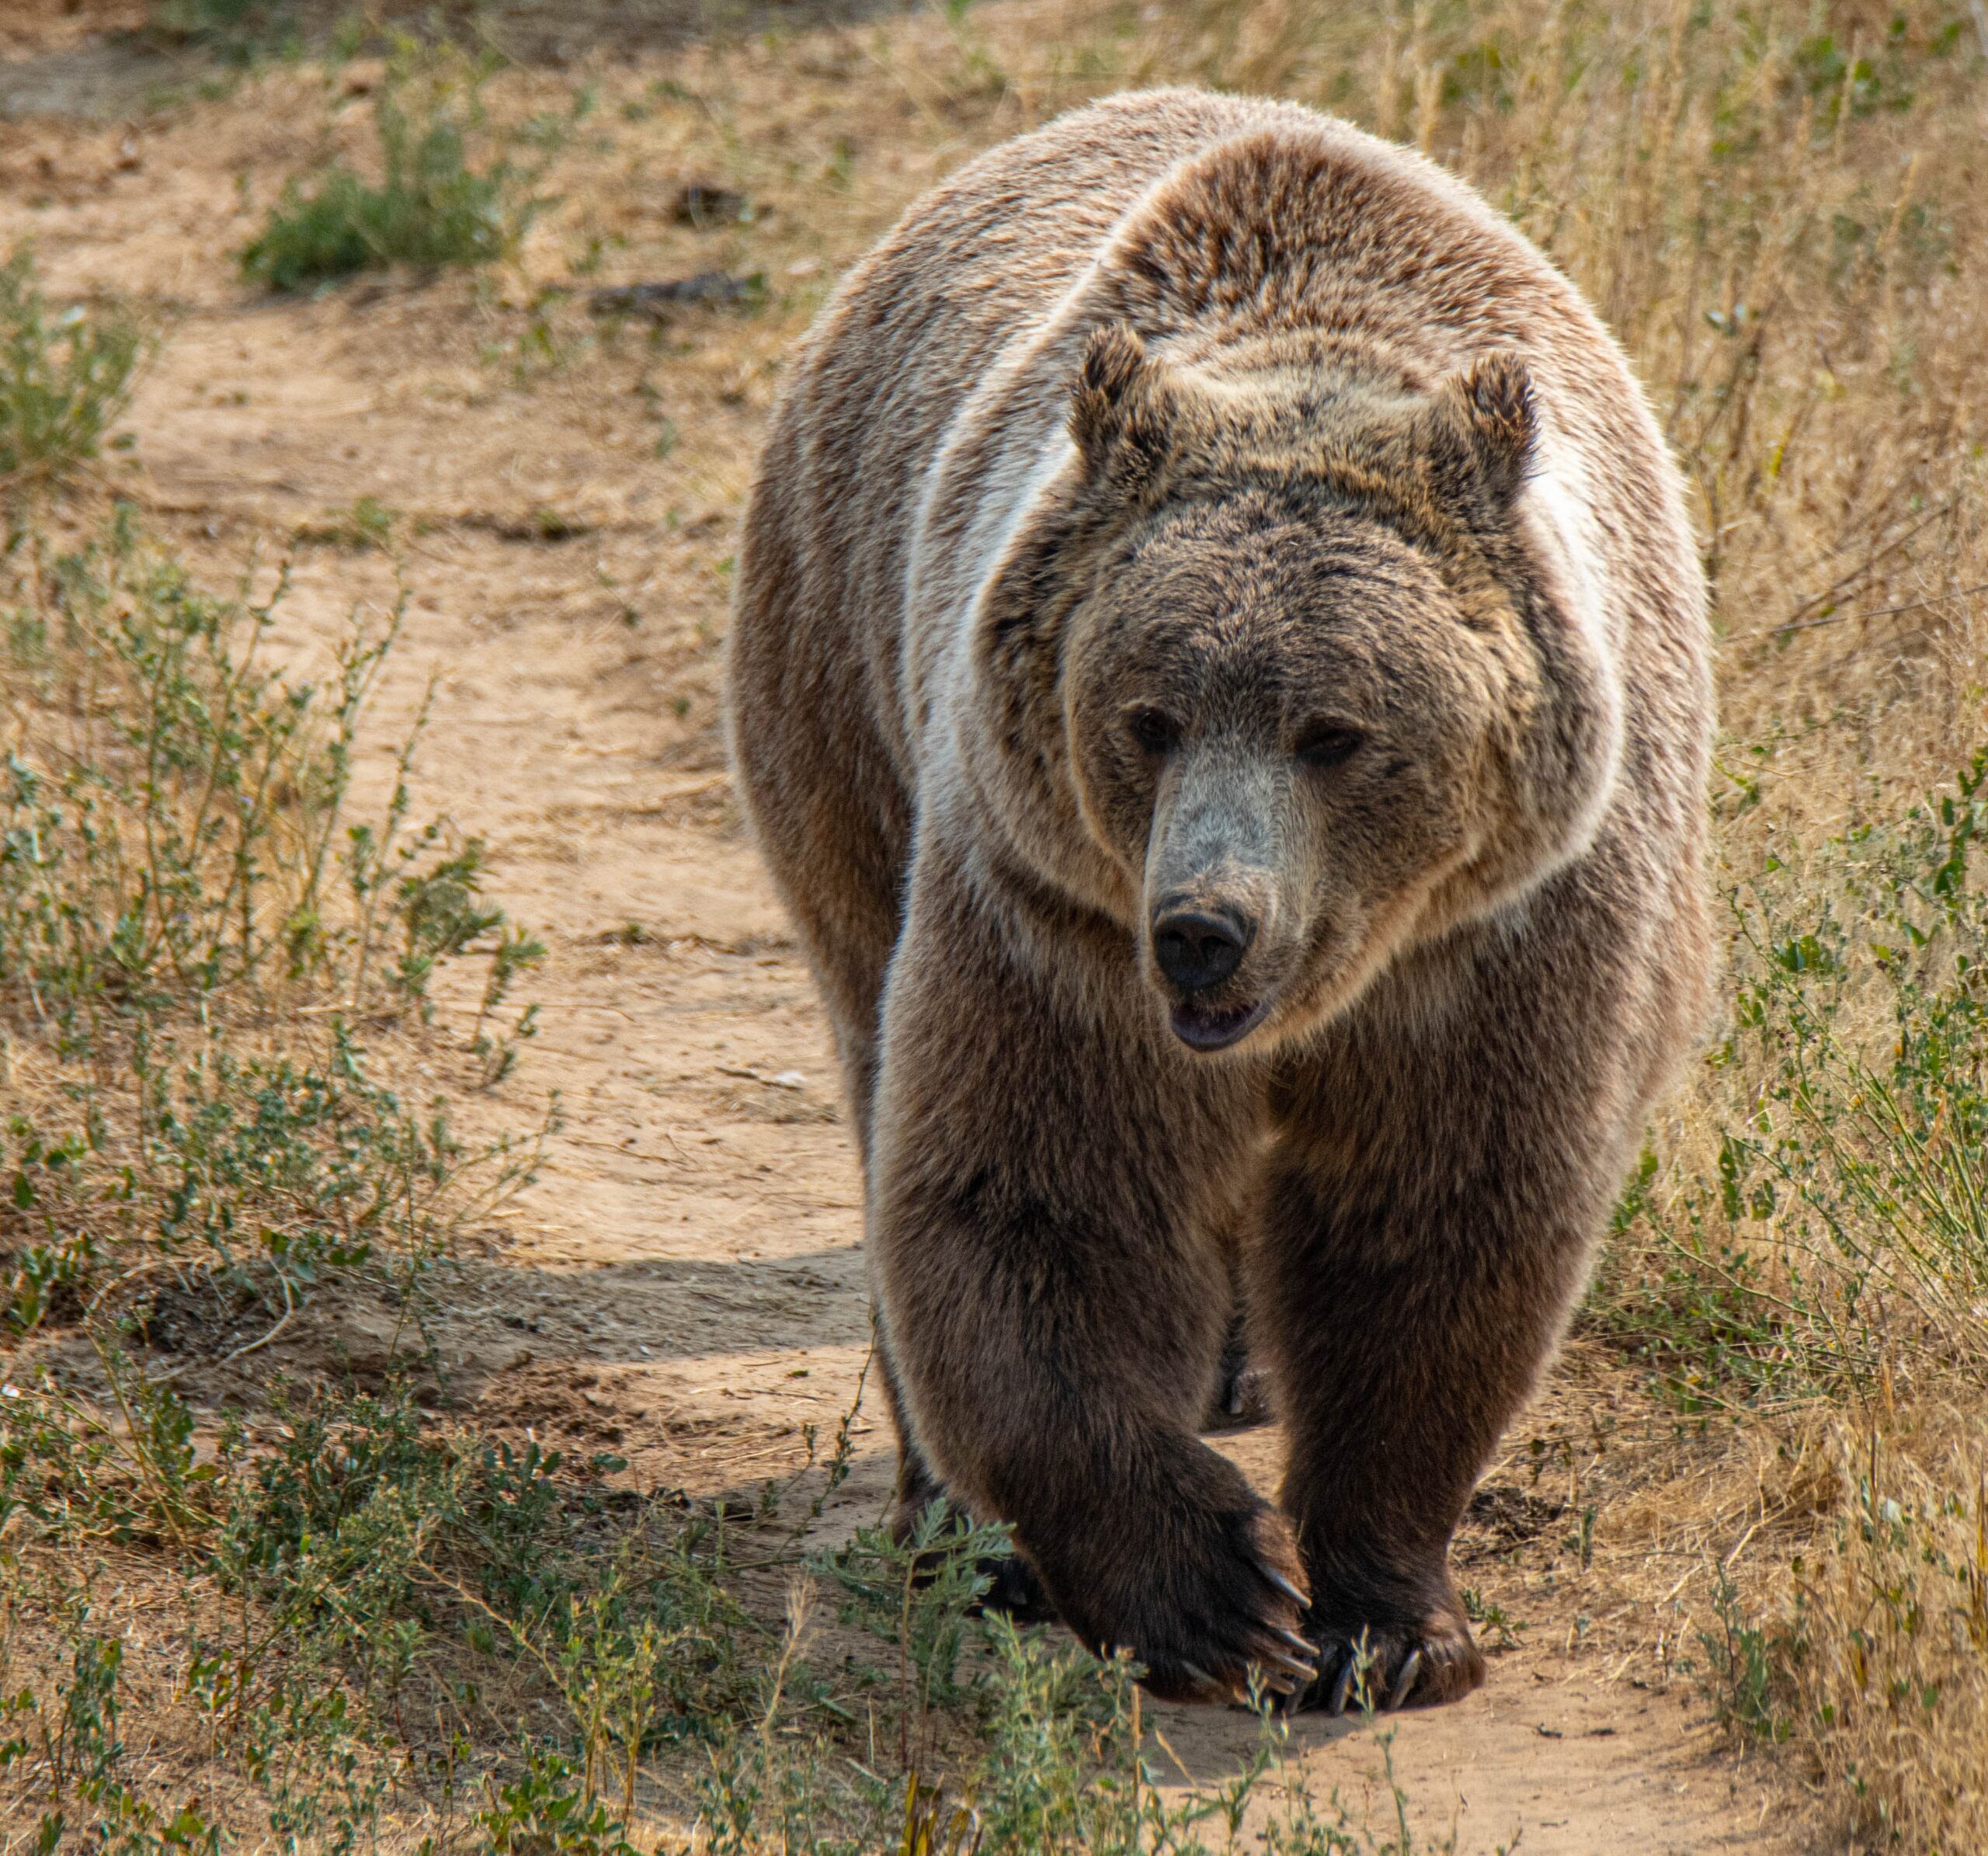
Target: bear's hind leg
[(1243, 1386)]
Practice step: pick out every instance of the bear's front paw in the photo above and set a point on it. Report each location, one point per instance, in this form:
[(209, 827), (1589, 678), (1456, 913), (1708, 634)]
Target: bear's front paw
[(1394, 1665), (1216, 1604)]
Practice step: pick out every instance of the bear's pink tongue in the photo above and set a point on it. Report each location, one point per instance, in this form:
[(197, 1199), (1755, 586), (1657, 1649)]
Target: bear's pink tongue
[(1205, 1031)]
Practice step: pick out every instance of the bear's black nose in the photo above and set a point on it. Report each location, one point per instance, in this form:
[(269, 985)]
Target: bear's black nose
[(1199, 948)]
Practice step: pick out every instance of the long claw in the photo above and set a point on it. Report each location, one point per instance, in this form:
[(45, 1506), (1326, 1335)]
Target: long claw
[(1290, 1665), (1342, 1687), (1300, 1599), (1404, 1682), (1195, 1673), (1303, 1646)]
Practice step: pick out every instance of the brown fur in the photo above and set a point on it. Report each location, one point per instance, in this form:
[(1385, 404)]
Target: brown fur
[(1195, 510)]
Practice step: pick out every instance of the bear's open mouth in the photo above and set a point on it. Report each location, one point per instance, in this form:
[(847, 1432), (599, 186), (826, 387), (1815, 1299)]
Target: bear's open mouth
[(1200, 1029)]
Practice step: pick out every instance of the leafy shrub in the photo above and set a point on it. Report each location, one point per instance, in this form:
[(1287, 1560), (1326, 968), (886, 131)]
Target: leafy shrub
[(82, 1759), (1826, 1250), (1841, 1232), (431, 205), (64, 378), (186, 845), (176, 861), (377, 1562), (235, 27), (1866, 1008), (919, 1592), (240, 32)]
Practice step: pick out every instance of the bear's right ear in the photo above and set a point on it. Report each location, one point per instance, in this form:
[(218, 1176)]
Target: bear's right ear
[(1489, 415), (1121, 411)]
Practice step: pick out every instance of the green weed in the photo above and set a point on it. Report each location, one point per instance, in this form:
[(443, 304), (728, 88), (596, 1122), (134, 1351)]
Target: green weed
[(181, 867), (432, 205), (236, 30), (547, 1812), (72, 1755), (65, 377), (1866, 1009), (1841, 1230), (1744, 1661), (366, 1569), (917, 1593), (369, 523)]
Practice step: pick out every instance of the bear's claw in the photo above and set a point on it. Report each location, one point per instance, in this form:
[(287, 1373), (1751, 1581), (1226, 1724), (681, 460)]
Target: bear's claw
[(1404, 1682), (1240, 1627), (1290, 1591), (1395, 1668), (1342, 1686), (1283, 1664)]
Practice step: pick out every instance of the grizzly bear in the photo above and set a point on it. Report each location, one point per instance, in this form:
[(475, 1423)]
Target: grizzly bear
[(1220, 679)]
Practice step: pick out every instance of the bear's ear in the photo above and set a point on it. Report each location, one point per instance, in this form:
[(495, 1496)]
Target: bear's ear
[(1122, 410), (1488, 426)]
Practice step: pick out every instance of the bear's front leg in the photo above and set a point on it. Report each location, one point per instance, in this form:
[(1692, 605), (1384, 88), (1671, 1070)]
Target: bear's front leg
[(1427, 1228), (1044, 1171)]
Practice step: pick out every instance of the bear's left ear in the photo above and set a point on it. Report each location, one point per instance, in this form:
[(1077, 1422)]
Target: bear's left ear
[(1488, 425)]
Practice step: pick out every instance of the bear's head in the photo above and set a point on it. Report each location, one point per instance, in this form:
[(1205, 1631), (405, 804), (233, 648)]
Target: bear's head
[(1303, 660)]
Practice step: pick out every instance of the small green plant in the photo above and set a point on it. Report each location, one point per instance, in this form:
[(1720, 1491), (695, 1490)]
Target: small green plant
[(1842, 1227), (65, 377), (1743, 1659), (369, 523), (1873, 1010), (1491, 1618), (917, 1593), (546, 1812), (76, 1758), (235, 29), (173, 863), (362, 1568), (432, 205)]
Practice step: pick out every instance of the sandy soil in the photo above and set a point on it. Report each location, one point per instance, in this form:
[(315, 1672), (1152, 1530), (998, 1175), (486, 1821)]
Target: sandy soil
[(684, 1282)]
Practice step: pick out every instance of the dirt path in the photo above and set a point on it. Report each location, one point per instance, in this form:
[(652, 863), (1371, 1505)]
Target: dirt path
[(684, 1282)]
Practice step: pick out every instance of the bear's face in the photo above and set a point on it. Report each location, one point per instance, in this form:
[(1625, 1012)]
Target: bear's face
[(1285, 725), (1294, 653)]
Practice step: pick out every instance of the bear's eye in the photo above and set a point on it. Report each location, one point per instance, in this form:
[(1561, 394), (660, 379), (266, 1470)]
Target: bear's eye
[(1329, 744), (1155, 731)]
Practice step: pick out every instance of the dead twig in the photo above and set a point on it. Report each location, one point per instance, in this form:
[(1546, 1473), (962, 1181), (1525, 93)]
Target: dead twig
[(1877, 612)]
